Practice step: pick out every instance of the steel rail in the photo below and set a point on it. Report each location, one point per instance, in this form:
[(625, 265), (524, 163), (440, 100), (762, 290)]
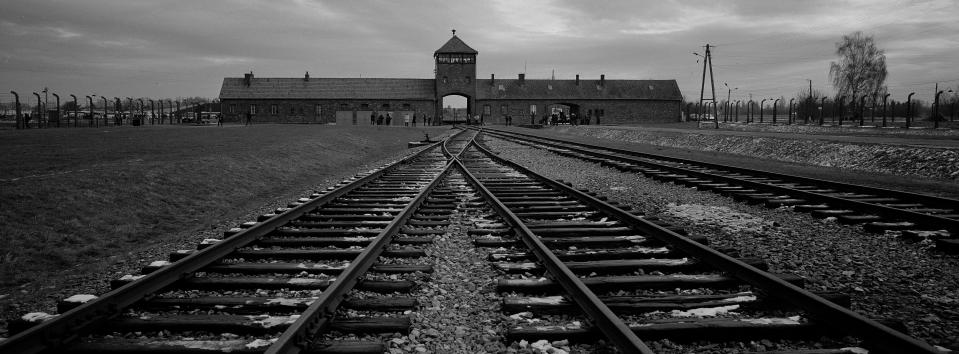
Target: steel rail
[(890, 212), (607, 322), (81, 320), (317, 317), (446, 150), (918, 197), (881, 337)]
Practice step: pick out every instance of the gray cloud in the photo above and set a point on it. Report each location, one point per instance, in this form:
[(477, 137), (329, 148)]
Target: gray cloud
[(185, 48)]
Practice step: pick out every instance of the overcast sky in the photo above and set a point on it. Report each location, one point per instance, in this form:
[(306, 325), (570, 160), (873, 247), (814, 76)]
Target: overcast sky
[(158, 48)]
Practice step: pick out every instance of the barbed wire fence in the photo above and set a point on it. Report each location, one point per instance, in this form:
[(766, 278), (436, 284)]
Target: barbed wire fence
[(51, 109)]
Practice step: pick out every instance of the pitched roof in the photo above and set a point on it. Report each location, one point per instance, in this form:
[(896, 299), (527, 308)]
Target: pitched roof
[(457, 46), (587, 89), (328, 88)]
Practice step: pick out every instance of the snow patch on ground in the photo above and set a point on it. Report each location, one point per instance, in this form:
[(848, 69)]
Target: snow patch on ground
[(725, 218), (705, 312), (80, 298), (37, 317)]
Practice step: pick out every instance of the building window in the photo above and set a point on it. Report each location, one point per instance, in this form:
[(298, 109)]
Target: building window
[(504, 109), (232, 109), (292, 109), (317, 109), (532, 109), (487, 110), (253, 109), (274, 109)]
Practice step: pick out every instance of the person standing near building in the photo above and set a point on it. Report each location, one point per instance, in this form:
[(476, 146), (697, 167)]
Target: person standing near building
[(372, 117), (406, 119), (389, 118), (414, 119), (379, 119)]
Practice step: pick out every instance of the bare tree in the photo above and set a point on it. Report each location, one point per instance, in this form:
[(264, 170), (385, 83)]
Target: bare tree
[(861, 69)]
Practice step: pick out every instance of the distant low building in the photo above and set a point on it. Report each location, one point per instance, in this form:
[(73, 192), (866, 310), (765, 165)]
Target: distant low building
[(353, 100)]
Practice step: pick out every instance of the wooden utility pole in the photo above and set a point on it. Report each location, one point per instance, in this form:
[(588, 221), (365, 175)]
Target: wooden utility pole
[(809, 104), (708, 61)]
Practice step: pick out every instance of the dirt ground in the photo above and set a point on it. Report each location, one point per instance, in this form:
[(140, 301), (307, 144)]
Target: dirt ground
[(74, 199)]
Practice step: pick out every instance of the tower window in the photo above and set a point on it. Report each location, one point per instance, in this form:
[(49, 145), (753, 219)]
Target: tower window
[(274, 109), (232, 108), (317, 109), (253, 109)]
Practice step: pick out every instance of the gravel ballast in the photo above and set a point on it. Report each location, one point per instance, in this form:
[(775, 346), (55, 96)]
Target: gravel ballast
[(885, 276), (458, 307), (921, 161)]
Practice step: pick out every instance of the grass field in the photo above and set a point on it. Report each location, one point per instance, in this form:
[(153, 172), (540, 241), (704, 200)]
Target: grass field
[(71, 197)]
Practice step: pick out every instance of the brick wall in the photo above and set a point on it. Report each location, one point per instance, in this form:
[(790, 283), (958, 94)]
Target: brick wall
[(615, 111), (304, 111)]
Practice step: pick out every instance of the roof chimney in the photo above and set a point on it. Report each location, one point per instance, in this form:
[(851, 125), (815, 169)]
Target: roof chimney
[(307, 76), (522, 78), (577, 79), (602, 80), (492, 79), (248, 78)]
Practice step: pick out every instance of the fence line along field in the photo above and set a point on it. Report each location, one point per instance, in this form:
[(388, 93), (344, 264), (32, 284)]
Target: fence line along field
[(73, 198)]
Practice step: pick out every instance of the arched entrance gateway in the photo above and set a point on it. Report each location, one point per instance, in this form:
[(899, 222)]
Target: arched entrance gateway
[(360, 101), (455, 108)]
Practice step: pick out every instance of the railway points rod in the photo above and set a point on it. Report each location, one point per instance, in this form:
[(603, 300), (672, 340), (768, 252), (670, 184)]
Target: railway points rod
[(879, 336), (610, 324), (83, 319)]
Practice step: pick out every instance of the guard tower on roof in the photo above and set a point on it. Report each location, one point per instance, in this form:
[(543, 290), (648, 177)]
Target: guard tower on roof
[(455, 72)]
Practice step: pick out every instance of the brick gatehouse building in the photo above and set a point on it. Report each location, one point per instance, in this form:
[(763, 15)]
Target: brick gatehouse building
[(352, 100)]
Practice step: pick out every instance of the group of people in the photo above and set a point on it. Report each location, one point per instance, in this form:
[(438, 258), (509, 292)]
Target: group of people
[(562, 118), (408, 119)]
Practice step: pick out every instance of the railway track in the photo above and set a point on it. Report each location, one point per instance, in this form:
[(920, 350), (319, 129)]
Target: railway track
[(915, 216), (277, 285), (581, 254), (335, 269)]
